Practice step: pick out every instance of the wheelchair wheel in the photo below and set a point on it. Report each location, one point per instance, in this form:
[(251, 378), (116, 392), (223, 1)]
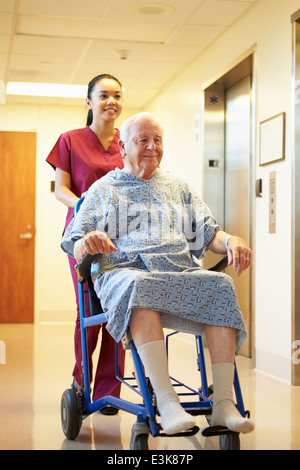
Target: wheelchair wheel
[(230, 441), (139, 437), (71, 414)]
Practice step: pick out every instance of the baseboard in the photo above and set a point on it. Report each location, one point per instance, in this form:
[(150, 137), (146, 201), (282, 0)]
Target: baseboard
[(272, 364)]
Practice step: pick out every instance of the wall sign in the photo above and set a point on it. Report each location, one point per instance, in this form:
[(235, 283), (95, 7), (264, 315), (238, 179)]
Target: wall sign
[(272, 140), (272, 202)]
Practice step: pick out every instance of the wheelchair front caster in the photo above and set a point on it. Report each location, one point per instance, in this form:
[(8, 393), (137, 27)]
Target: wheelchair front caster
[(71, 414), (139, 437), (230, 441)]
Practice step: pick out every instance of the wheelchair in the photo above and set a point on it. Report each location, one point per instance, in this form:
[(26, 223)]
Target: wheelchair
[(77, 405)]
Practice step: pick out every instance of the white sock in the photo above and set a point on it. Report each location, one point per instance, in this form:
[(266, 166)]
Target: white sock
[(174, 418), (225, 412)]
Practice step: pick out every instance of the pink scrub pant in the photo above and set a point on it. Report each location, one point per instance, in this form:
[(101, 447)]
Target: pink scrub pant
[(105, 382)]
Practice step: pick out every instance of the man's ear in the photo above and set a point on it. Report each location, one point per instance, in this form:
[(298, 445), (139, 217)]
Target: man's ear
[(122, 148)]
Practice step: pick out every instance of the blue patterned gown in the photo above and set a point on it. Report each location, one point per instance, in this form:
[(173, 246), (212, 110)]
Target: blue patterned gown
[(160, 226)]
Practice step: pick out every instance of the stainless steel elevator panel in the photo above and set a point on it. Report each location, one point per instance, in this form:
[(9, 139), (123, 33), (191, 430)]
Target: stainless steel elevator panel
[(214, 148), (227, 168), (237, 190)]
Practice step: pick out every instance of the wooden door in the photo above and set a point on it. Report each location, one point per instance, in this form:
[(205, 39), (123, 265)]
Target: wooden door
[(17, 219)]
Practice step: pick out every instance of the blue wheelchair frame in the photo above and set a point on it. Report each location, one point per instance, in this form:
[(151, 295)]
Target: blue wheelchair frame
[(145, 411)]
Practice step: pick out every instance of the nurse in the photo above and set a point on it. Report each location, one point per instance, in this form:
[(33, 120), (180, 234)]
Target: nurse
[(80, 157)]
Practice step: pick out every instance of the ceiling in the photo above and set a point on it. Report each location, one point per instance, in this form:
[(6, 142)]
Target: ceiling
[(145, 44)]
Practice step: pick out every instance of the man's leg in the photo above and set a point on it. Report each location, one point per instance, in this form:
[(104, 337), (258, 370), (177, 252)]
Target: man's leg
[(221, 343), (147, 334)]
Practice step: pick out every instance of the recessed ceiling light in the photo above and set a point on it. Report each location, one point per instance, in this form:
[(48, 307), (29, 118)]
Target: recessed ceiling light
[(55, 90), (46, 89), (152, 9)]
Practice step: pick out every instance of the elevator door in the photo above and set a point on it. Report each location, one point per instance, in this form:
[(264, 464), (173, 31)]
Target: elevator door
[(236, 185)]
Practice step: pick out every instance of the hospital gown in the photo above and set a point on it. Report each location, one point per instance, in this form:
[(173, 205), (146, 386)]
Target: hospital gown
[(161, 228)]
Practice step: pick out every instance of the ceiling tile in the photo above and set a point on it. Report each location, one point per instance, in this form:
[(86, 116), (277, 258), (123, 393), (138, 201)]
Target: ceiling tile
[(136, 51), (6, 23), (127, 11), (93, 28), (7, 6), (145, 81), (137, 98), (38, 76), (165, 70), (3, 59), (219, 12), (67, 8), (4, 42), (115, 66), (49, 46), (41, 63), (179, 53), (196, 35), (90, 68)]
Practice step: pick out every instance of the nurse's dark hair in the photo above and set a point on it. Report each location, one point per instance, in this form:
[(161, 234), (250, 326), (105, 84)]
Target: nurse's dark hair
[(91, 87)]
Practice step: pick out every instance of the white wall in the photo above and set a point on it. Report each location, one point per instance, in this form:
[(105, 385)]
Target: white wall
[(266, 28)]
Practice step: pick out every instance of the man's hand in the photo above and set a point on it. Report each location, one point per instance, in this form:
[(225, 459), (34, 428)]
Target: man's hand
[(93, 243), (239, 254)]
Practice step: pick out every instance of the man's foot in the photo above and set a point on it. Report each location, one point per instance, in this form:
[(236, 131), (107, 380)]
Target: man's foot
[(174, 419), (226, 414)]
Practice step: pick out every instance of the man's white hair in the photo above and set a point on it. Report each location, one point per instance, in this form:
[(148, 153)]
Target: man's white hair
[(126, 125)]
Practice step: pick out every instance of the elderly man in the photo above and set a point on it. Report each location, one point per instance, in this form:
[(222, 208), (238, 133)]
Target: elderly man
[(149, 229)]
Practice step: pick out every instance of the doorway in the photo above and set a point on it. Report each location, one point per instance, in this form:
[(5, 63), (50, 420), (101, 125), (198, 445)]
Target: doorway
[(17, 235), (227, 182)]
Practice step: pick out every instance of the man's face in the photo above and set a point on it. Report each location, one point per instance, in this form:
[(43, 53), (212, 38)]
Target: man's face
[(143, 150)]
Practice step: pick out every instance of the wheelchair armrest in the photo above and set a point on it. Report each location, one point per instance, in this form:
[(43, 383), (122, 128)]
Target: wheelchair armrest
[(83, 268), (221, 265)]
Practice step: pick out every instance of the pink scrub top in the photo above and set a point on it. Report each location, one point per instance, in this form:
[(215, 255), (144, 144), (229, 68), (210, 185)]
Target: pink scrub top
[(80, 153)]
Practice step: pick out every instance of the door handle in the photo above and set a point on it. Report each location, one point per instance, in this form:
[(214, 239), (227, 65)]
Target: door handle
[(27, 236)]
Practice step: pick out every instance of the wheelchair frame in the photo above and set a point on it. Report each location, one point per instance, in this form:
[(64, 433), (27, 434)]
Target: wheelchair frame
[(77, 405)]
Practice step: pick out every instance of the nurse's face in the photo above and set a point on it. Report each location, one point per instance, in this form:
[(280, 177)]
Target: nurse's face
[(106, 100), (143, 150)]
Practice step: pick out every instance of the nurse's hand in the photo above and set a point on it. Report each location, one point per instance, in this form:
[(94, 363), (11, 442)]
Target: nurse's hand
[(93, 243)]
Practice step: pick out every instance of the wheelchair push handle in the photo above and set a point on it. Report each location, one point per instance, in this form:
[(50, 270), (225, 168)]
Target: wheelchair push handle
[(78, 204), (83, 268)]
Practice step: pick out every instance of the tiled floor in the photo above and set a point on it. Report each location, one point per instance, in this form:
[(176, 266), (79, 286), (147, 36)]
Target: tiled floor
[(39, 361)]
